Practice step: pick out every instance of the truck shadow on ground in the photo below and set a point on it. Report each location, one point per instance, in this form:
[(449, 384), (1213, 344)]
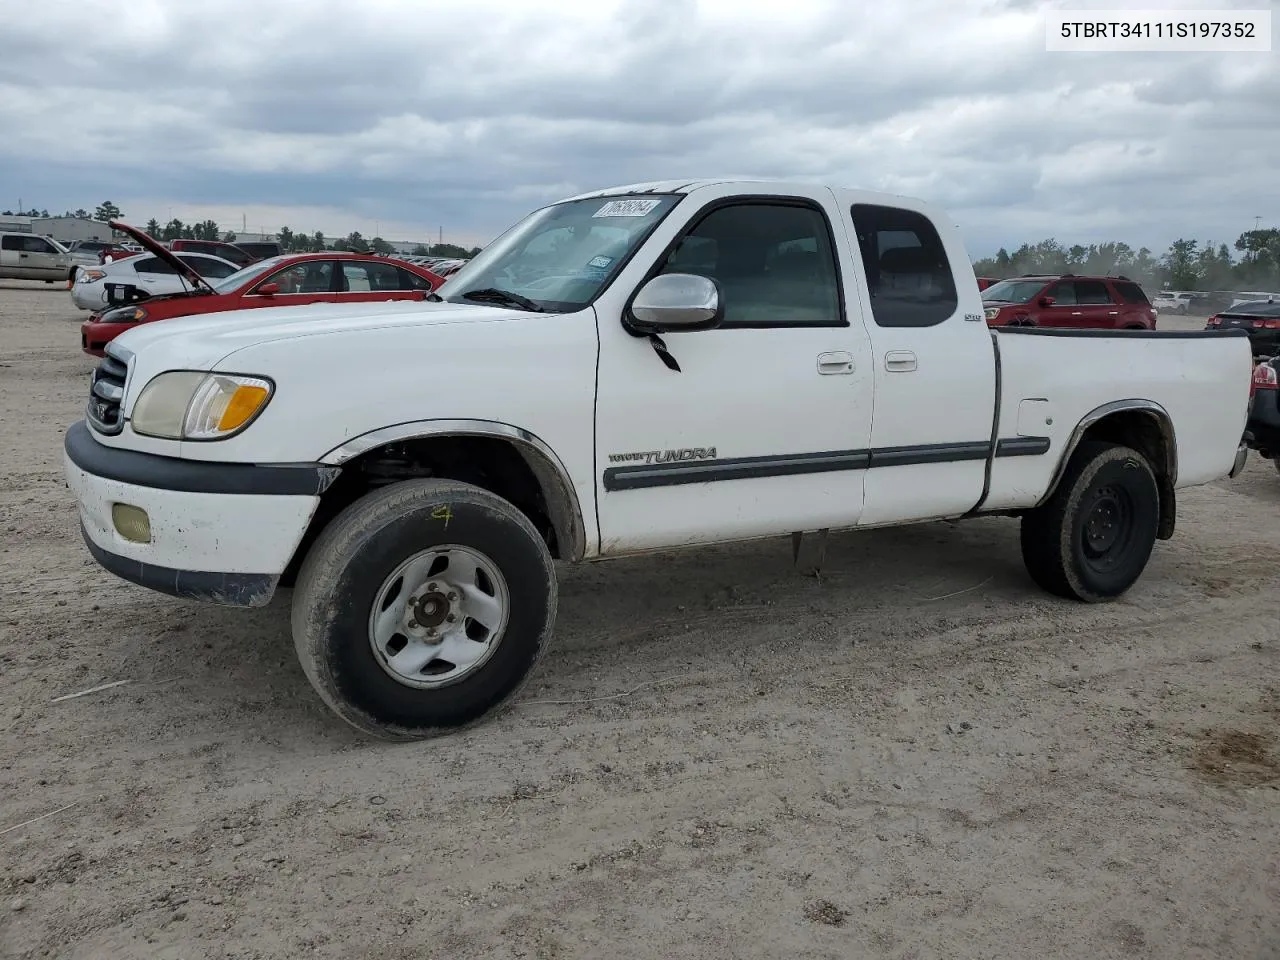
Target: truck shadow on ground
[(233, 673)]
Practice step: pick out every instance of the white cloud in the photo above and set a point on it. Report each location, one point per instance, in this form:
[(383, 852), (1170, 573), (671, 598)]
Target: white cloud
[(323, 114)]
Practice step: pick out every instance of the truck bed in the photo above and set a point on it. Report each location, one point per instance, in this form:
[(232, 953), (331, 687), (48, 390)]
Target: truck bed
[(1053, 382)]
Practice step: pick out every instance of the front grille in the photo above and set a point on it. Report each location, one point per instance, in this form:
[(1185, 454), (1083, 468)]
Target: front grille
[(106, 392)]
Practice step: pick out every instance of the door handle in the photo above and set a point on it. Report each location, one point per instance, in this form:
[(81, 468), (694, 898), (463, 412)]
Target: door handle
[(1113, 313), (899, 361), (1077, 313), (837, 361)]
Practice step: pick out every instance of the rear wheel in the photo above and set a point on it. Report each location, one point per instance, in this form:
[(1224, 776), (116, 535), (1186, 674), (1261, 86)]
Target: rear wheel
[(423, 607), (1093, 538)]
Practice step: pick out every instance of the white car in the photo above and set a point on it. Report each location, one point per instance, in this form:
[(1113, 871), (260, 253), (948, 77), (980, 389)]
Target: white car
[(145, 272), (1171, 302), (632, 370)]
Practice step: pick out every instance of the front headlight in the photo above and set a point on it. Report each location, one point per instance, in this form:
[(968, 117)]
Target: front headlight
[(89, 276), (189, 405)]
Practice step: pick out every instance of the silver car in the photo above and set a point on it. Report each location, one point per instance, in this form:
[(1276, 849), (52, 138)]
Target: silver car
[(24, 256)]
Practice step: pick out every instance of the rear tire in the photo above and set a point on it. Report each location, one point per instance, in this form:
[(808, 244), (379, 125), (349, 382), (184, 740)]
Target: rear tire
[(364, 597), (1092, 539)]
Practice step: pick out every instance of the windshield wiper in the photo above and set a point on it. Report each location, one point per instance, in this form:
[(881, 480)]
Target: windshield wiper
[(494, 295)]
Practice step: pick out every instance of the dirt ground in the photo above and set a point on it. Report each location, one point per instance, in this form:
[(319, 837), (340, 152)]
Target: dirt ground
[(915, 755)]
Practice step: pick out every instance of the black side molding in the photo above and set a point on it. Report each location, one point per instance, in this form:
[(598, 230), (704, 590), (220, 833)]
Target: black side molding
[(194, 476), (737, 468), (643, 476), (229, 589), (1103, 334)]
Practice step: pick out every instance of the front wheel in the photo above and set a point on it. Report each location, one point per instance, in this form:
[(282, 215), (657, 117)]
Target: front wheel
[(423, 607), (1093, 538)]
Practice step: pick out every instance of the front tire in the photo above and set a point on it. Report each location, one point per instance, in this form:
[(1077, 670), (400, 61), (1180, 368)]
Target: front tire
[(423, 607), (1092, 539)]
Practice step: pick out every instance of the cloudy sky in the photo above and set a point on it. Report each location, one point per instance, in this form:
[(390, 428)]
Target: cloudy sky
[(408, 116)]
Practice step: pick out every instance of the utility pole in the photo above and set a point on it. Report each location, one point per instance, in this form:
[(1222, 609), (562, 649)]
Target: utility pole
[(1257, 223)]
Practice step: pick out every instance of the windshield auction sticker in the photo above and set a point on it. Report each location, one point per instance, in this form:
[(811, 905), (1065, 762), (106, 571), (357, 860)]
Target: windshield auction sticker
[(628, 208)]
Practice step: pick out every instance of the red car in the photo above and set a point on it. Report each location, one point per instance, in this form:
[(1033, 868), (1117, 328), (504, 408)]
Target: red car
[(331, 277), (1090, 303)]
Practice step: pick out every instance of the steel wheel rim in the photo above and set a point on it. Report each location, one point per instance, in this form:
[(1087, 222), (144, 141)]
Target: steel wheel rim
[(439, 616), (1107, 530)]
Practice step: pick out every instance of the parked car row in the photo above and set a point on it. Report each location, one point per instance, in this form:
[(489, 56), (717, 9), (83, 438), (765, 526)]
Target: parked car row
[(162, 284)]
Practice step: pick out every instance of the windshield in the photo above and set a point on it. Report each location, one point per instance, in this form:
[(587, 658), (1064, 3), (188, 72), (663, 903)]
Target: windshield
[(245, 274), (562, 256), (1013, 291)]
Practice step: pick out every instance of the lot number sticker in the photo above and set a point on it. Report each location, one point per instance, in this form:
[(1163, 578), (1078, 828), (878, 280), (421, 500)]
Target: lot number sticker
[(627, 208)]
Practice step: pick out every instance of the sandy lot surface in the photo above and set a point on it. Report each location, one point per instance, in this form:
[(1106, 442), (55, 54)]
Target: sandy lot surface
[(915, 755)]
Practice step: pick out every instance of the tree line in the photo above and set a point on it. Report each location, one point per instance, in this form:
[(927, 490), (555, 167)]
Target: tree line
[(290, 242), (1186, 265)]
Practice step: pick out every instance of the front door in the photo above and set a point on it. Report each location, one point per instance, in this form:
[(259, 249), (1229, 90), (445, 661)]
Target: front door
[(764, 429), (1064, 312), (934, 367), (38, 259)]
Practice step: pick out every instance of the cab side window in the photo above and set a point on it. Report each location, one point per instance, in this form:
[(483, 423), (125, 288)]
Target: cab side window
[(38, 245), (153, 265), (774, 260), (366, 277), (1064, 294), (1092, 293), (909, 279)]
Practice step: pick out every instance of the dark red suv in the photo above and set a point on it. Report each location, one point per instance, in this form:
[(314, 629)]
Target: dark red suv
[(1092, 303)]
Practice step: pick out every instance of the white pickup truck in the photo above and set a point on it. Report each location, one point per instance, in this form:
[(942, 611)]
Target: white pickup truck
[(635, 369)]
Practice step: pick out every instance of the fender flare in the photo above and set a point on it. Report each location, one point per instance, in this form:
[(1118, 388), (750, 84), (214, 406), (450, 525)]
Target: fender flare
[(548, 469), (1167, 472)]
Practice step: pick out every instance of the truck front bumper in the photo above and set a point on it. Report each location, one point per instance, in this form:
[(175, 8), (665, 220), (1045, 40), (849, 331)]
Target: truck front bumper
[(219, 532)]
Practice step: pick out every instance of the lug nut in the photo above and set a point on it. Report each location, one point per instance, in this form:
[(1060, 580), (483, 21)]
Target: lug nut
[(413, 624), (452, 597), (451, 618), (432, 586)]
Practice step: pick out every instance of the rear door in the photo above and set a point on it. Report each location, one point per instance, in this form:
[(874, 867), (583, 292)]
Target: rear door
[(934, 368), (369, 280), (1096, 307), (155, 276)]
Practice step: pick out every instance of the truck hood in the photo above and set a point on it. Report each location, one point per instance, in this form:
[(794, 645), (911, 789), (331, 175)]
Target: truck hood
[(200, 341)]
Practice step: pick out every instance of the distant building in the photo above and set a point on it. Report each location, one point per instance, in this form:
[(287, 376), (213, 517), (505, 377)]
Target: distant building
[(62, 229)]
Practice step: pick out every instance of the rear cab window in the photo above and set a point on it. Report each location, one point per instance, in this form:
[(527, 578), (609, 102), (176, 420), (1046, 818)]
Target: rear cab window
[(909, 278)]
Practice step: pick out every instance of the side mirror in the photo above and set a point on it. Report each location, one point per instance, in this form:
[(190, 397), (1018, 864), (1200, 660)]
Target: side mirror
[(268, 289), (1046, 301), (677, 301)]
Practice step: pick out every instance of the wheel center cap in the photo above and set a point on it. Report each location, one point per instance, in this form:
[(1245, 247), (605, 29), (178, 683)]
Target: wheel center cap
[(431, 609)]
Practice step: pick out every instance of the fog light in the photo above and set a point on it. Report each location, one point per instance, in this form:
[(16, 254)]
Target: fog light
[(132, 523)]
